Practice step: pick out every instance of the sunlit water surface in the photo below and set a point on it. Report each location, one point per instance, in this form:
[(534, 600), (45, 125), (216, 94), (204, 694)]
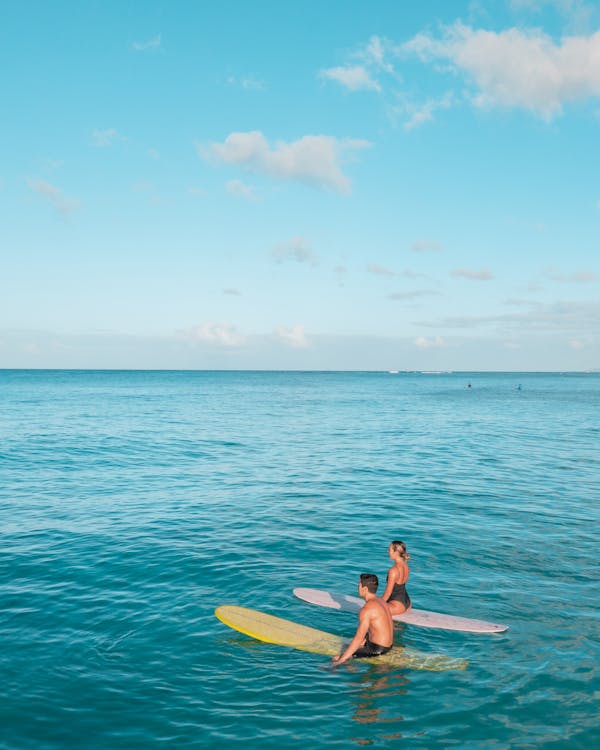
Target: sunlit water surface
[(133, 503)]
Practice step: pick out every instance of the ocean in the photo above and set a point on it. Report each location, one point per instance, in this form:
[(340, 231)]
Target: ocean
[(134, 503)]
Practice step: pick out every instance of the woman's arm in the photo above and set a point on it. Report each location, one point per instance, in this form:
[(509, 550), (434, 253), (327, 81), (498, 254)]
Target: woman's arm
[(391, 580)]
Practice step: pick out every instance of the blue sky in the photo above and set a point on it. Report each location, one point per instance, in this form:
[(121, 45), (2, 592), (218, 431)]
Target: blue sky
[(300, 185)]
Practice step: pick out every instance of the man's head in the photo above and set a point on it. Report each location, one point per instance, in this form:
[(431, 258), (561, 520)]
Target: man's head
[(369, 581)]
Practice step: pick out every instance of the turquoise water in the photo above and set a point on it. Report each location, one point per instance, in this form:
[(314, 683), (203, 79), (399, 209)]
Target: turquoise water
[(133, 503)]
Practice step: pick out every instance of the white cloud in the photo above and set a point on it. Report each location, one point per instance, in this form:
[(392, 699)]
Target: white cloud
[(294, 337), (241, 190), (151, 44), (297, 249), (575, 344), (313, 159), (353, 77), (432, 343), (426, 246), (55, 196), (515, 68), (103, 138), (221, 334), (474, 275)]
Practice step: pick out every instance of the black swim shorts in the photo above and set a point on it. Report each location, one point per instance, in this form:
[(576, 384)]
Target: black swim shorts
[(370, 649)]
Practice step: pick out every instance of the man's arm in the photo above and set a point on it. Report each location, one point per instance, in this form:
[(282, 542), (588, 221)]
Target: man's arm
[(359, 637)]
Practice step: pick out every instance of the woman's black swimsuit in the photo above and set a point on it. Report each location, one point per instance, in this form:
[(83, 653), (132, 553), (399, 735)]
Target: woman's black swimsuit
[(370, 649), (400, 594)]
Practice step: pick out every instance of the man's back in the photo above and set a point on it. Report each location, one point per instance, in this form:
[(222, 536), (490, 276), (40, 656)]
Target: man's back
[(381, 624)]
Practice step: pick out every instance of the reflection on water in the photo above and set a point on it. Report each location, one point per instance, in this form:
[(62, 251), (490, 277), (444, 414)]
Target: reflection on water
[(371, 690)]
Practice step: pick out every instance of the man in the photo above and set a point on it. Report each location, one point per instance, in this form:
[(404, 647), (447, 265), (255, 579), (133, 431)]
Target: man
[(375, 633)]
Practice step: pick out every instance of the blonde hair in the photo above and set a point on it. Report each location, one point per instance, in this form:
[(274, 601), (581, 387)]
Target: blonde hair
[(401, 548)]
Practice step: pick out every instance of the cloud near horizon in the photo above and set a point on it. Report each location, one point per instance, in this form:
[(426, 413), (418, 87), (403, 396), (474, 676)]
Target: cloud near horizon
[(295, 337), (564, 316), (422, 342), (221, 334), (314, 160)]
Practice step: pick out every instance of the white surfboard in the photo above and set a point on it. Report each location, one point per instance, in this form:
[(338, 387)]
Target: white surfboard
[(420, 617)]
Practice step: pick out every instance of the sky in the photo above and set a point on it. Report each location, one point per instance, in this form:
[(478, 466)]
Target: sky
[(300, 185)]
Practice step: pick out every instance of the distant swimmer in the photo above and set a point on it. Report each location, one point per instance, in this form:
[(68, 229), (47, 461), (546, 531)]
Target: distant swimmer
[(395, 593), (469, 385), (375, 632)]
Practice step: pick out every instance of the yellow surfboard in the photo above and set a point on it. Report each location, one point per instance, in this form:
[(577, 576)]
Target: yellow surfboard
[(282, 632)]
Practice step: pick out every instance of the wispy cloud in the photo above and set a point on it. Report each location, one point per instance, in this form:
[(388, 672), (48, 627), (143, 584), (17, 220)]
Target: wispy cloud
[(571, 317), (378, 270), (313, 159), (298, 248), (515, 68), (232, 292), (52, 164), (419, 114), (55, 196), (401, 296), (576, 13), (148, 46), (294, 337), (104, 138), (474, 275), (579, 277), (363, 68), (249, 83), (426, 246), (241, 190)]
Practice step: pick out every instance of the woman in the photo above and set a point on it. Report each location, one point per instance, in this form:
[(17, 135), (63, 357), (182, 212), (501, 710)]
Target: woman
[(395, 593)]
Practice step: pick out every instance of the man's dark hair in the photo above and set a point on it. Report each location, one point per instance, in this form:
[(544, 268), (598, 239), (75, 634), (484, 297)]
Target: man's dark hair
[(369, 580)]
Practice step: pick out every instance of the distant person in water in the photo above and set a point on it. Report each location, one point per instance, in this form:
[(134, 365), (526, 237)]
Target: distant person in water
[(395, 593), (375, 633)]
